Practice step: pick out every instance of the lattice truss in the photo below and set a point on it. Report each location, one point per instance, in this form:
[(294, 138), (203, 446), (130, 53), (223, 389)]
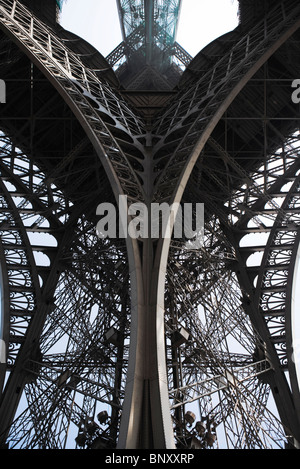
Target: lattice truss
[(227, 303), (208, 301), (79, 328), (165, 15), (162, 36), (74, 352)]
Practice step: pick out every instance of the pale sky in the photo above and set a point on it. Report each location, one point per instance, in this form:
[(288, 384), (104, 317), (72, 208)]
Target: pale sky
[(200, 22)]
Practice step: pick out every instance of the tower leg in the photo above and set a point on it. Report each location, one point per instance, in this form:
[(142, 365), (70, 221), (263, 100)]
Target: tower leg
[(146, 418)]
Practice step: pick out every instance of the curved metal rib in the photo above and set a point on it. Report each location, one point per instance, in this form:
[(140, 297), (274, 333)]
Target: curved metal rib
[(82, 90), (197, 112)]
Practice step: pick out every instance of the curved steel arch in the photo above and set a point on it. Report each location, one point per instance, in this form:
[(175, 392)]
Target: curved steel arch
[(59, 70), (179, 167), (274, 289), (292, 341), (268, 300), (81, 90), (221, 85), (24, 315), (4, 313), (19, 289)]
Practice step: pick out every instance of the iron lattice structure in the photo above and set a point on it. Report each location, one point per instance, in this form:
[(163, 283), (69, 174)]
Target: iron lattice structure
[(150, 343)]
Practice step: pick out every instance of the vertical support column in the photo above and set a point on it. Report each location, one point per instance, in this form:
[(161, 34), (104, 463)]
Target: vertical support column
[(160, 407), (4, 318), (146, 418), (149, 22)]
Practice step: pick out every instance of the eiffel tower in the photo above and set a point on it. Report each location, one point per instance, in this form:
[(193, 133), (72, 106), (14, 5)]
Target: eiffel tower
[(149, 342)]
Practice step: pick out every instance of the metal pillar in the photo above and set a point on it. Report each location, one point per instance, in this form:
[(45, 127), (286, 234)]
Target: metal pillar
[(146, 420)]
